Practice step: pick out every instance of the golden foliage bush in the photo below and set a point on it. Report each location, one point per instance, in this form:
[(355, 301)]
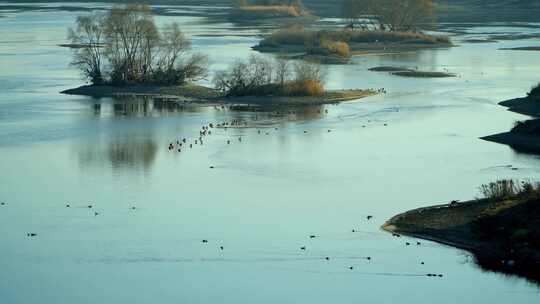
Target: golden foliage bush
[(335, 48), (303, 88)]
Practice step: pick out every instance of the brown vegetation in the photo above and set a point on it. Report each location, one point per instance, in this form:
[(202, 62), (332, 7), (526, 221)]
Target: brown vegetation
[(260, 76), (268, 8)]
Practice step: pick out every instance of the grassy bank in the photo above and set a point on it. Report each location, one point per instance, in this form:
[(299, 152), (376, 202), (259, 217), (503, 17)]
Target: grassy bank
[(501, 230)]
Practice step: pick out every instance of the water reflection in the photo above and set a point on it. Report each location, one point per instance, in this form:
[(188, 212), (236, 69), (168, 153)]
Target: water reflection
[(139, 106), (119, 153)]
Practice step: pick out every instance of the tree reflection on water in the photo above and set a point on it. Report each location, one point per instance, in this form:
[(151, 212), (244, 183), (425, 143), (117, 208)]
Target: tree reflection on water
[(120, 153)]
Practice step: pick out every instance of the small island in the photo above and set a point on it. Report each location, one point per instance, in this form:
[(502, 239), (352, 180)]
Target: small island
[(277, 10), (501, 230), (525, 135), (405, 72), (122, 52), (374, 27)]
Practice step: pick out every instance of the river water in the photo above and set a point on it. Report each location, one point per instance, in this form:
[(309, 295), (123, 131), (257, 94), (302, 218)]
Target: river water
[(266, 194)]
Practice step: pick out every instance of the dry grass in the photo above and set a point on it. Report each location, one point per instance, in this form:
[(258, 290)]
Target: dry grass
[(272, 10), (303, 88), (338, 48)]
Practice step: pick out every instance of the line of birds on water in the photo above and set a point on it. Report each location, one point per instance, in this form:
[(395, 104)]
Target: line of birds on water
[(206, 130)]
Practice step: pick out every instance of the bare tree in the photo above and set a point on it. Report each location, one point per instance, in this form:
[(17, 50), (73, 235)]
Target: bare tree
[(132, 36), (128, 43), (304, 71), (173, 45), (283, 70), (391, 15), (88, 41)]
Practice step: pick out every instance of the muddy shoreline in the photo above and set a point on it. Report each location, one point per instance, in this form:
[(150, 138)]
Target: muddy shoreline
[(200, 95), (453, 225)]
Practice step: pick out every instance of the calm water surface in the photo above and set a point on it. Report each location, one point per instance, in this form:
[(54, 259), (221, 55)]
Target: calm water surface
[(266, 195)]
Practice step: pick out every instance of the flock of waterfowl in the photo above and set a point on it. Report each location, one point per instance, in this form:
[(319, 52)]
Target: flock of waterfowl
[(222, 248), (205, 131), (181, 145)]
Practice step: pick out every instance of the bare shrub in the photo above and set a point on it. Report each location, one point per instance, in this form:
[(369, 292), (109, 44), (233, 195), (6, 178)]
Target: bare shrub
[(501, 189), (260, 76), (509, 189), (390, 15)]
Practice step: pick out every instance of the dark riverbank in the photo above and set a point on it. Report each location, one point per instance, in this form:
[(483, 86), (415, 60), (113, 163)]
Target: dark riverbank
[(196, 94), (500, 233), (525, 136)]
